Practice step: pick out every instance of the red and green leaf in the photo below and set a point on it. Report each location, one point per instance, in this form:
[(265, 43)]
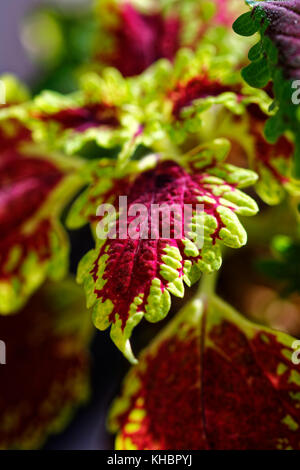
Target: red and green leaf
[(211, 380), (46, 375), (203, 95), (34, 188), (133, 36), (97, 117), (188, 99), (273, 163), (159, 110), (129, 278)]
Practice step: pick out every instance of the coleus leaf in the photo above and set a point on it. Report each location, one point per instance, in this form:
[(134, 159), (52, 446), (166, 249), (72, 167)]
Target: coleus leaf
[(214, 377), (273, 163), (122, 114), (187, 97), (46, 375), (133, 35), (34, 188), (202, 95), (97, 119), (276, 57), (127, 277), (160, 108), (12, 130)]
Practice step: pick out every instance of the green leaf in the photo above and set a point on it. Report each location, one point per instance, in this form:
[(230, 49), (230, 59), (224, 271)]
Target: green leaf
[(276, 57), (245, 25), (257, 74)]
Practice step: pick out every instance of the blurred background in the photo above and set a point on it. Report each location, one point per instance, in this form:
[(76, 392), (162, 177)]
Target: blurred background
[(53, 22), (14, 57)]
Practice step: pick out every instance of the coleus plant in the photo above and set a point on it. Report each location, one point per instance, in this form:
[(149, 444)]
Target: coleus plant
[(34, 190), (163, 116), (127, 279), (275, 57), (133, 34), (213, 367)]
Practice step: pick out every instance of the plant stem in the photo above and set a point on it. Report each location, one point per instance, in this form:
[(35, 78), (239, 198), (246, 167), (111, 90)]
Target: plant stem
[(207, 285)]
